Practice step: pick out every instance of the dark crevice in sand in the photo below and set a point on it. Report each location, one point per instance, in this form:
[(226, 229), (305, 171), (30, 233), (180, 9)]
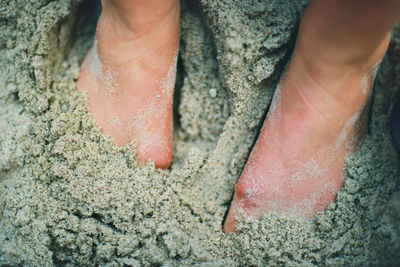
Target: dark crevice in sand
[(177, 93), (54, 248)]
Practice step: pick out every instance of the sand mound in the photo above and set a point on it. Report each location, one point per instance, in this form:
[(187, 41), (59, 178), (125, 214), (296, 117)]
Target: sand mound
[(69, 196)]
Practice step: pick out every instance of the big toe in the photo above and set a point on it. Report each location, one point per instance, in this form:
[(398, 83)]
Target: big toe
[(157, 149), (162, 158), (249, 198)]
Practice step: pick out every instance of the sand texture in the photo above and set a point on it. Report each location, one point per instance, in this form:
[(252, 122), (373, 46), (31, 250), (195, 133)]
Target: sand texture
[(69, 196)]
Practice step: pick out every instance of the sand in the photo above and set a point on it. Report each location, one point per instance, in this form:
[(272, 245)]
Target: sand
[(70, 196)]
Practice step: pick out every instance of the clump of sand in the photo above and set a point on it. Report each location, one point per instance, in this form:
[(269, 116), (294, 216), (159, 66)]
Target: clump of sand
[(70, 196)]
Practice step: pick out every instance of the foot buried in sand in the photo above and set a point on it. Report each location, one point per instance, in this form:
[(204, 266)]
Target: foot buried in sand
[(318, 117), (129, 75), (296, 166)]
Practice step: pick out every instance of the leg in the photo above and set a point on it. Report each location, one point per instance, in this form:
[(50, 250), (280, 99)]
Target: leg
[(129, 74), (316, 118)]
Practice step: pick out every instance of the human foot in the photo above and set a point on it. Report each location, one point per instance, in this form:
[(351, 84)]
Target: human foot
[(296, 166), (129, 75), (317, 118)]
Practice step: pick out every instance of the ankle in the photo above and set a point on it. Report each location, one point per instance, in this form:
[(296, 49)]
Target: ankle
[(329, 89), (135, 18), (340, 32), (130, 29)]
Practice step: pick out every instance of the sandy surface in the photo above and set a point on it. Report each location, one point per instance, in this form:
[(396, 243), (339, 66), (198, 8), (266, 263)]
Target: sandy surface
[(69, 196)]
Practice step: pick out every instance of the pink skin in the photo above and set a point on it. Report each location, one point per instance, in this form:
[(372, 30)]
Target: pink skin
[(298, 174), (129, 75), (318, 115), (316, 119)]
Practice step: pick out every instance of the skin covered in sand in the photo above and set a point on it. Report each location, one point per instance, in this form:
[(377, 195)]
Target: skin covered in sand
[(315, 121), (129, 75), (292, 174)]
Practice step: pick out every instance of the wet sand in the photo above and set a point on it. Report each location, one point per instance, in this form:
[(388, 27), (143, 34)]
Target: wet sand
[(70, 196)]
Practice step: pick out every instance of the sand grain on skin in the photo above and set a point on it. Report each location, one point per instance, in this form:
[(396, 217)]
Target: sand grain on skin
[(70, 196)]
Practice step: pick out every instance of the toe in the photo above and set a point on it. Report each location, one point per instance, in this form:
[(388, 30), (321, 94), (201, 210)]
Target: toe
[(230, 222), (161, 155), (162, 160), (248, 198)]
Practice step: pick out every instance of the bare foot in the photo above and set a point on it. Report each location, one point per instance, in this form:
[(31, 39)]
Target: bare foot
[(296, 166), (317, 118), (129, 75)]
